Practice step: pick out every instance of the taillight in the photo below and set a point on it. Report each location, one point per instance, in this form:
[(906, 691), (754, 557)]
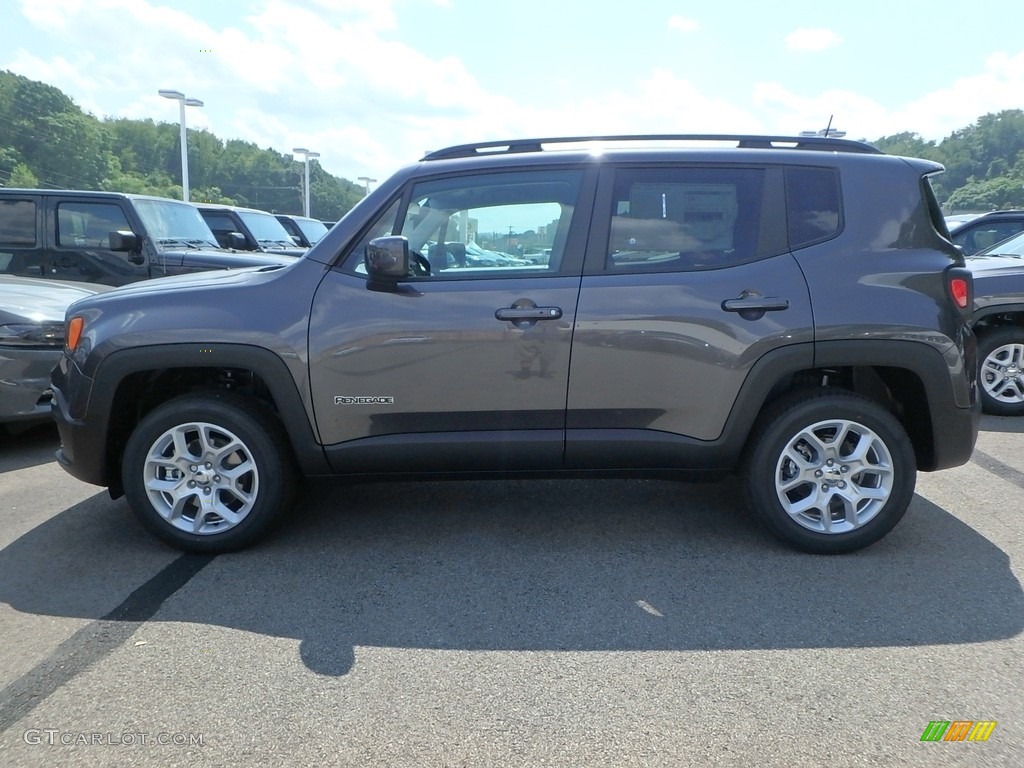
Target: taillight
[(74, 332), (960, 290)]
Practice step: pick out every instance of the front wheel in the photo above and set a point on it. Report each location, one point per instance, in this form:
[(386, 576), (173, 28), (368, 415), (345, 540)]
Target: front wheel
[(828, 471), (1001, 373), (208, 472)]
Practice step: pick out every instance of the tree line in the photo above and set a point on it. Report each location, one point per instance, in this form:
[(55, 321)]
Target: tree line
[(46, 140)]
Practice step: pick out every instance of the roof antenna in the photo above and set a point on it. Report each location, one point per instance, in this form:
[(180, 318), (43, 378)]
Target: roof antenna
[(829, 126)]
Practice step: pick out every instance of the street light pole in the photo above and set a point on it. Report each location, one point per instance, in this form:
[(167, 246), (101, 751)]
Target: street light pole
[(306, 154), (367, 181), (182, 103)]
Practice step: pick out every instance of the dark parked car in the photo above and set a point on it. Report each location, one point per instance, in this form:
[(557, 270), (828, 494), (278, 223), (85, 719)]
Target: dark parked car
[(999, 324), (31, 339), (107, 237), (248, 229), (752, 306), (304, 231), (979, 232)]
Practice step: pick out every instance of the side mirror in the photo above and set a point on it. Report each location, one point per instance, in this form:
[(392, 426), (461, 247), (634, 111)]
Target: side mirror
[(236, 241), (297, 240), (124, 240), (387, 258)]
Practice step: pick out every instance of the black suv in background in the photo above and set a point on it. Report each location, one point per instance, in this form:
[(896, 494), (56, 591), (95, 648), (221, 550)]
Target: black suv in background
[(706, 305), (107, 237), (248, 229)]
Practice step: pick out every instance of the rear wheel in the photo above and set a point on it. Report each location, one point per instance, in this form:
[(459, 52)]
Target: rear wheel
[(1001, 372), (829, 471), (208, 472)]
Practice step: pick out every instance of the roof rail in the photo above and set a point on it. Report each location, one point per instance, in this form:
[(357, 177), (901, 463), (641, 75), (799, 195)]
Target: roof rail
[(742, 142)]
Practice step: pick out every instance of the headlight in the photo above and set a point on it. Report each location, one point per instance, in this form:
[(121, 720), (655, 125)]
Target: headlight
[(32, 335)]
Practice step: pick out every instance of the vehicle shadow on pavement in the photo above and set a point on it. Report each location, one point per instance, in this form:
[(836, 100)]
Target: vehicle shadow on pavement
[(533, 565)]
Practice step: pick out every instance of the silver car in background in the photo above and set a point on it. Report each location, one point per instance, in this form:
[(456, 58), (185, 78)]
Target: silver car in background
[(31, 341)]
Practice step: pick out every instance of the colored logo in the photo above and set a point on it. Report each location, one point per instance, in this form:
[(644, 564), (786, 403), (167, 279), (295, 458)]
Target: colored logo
[(958, 730)]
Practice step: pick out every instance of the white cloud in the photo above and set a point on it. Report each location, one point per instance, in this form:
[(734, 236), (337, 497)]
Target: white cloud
[(331, 75), (933, 116), (812, 40), (326, 72), (683, 24)]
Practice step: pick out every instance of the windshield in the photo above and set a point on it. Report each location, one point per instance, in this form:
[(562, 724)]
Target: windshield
[(171, 220), (311, 228), (1013, 246), (265, 228)]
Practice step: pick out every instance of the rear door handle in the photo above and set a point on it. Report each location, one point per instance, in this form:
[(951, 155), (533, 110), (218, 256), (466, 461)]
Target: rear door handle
[(528, 313)]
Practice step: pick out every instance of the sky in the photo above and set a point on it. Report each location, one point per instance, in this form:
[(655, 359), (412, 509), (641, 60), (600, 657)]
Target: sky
[(374, 84)]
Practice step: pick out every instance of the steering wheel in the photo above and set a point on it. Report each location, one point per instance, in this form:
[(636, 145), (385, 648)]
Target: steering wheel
[(418, 265)]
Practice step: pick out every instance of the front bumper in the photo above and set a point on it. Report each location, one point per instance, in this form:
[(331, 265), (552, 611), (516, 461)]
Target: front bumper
[(82, 451)]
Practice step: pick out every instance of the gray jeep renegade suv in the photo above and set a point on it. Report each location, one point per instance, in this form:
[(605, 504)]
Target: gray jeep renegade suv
[(787, 308)]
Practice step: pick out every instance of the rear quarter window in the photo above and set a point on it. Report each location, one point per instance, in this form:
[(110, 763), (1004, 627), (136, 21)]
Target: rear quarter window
[(813, 210)]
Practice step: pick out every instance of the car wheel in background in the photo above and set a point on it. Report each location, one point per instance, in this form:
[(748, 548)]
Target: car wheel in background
[(1001, 371)]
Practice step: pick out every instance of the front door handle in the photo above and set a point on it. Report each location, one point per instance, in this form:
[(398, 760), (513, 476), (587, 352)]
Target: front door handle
[(757, 304), (751, 305), (515, 314)]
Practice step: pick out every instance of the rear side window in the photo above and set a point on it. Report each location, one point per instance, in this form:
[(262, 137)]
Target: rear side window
[(88, 225), (684, 218), (812, 204), (17, 222)]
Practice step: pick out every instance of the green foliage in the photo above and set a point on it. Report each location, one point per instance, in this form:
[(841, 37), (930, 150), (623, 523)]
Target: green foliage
[(988, 195), (22, 177), (984, 162)]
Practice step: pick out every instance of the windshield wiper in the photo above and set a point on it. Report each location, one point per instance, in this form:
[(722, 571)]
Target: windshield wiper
[(179, 241), (278, 242)]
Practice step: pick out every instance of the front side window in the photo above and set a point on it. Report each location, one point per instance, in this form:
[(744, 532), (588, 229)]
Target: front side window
[(219, 222), (484, 225), (88, 225), (684, 218), (17, 222)]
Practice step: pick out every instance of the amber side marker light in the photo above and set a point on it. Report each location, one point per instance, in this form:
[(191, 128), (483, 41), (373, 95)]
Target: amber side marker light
[(74, 332), (958, 287)]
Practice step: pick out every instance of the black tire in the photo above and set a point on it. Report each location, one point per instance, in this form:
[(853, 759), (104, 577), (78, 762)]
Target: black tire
[(816, 505), (192, 502), (1001, 371)]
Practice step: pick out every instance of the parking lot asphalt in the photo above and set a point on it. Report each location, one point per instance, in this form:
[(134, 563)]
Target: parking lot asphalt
[(511, 623)]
